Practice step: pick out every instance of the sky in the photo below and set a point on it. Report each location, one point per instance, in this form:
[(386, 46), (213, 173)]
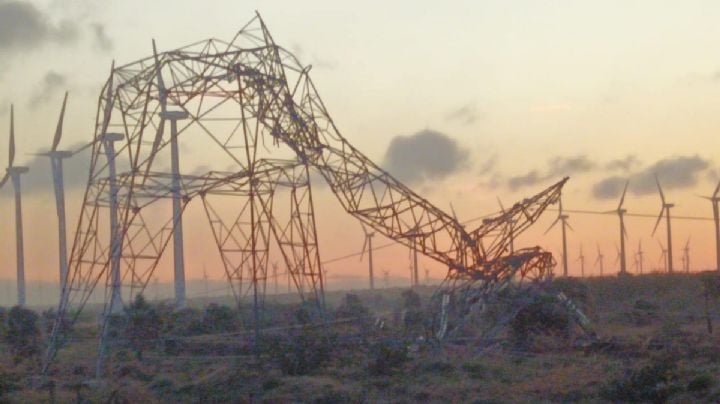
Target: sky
[(501, 99)]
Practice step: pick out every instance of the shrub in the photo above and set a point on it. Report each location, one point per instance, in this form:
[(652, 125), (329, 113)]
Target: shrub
[(142, 325), (413, 316), (219, 319), (386, 356), (22, 333), (542, 316), (655, 382), (300, 354)]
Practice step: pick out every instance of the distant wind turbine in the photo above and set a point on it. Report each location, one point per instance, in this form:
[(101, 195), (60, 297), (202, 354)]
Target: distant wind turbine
[(600, 259), (14, 172), (666, 210), (581, 258), (686, 256), (663, 256), (563, 220), (623, 232), (367, 246), (640, 256), (715, 199)]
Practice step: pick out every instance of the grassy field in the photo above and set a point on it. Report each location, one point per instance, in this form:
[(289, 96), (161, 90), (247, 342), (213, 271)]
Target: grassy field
[(652, 345)]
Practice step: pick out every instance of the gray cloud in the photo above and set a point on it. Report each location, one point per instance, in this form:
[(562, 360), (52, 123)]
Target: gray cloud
[(39, 178), (23, 26), (424, 155), (102, 40), (609, 188), (674, 173), (466, 114), (625, 164), (51, 85), (557, 167)]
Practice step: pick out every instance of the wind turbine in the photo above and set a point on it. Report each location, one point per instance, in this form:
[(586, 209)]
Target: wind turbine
[(176, 187), (386, 277), (714, 199), (640, 256), (600, 259), (686, 256), (581, 258), (13, 173), (666, 210), (56, 163), (367, 246), (563, 219), (623, 233), (663, 256)]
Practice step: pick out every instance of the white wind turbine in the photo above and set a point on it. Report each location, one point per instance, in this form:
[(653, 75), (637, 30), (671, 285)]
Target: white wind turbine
[(640, 257), (666, 210), (563, 219), (56, 163), (600, 259), (714, 199), (622, 257), (367, 246), (14, 172), (581, 258), (176, 186), (663, 256)]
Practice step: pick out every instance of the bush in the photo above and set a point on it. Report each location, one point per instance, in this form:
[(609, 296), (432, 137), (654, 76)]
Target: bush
[(413, 316), (219, 319), (300, 354), (143, 325), (352, 307), (544, 316), (655, 382), (22, 333), (386, 356)]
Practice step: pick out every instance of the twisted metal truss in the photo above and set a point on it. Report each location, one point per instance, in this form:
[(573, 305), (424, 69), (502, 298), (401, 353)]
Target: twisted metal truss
[(255, 112)]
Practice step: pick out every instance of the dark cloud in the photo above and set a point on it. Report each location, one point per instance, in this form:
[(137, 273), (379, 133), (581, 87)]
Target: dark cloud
[(609, 188), (75, 170), (23, 26), (102, 40), (625, 164), (557, 167), (424, 155), (50, 86), (466, 114), (564, 166), (520, 181), (673, 173)]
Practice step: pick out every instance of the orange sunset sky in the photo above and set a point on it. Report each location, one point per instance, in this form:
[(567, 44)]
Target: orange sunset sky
[(522, 93)]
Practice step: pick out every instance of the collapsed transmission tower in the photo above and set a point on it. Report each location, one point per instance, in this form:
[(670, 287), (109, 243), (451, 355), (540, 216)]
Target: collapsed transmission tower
[(253, 110)]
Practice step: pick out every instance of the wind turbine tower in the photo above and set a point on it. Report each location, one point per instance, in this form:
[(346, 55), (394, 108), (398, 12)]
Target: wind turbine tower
[(563, 219), (663, 256), (686, 256), (14, 172), (367, 246), (666, 210), (640, 257), (714, 199)]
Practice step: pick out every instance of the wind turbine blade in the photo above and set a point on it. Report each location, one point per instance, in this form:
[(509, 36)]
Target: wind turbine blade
[(452, 209), (552, 225), (657, 223), (89, 144), (568, 225), (662, 195), (560, 208), (625, 234), (717, 189), (4, 180), (502, 208), (622, 198), (58, 130), (160, 83), (108, 100), (11, 149)]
